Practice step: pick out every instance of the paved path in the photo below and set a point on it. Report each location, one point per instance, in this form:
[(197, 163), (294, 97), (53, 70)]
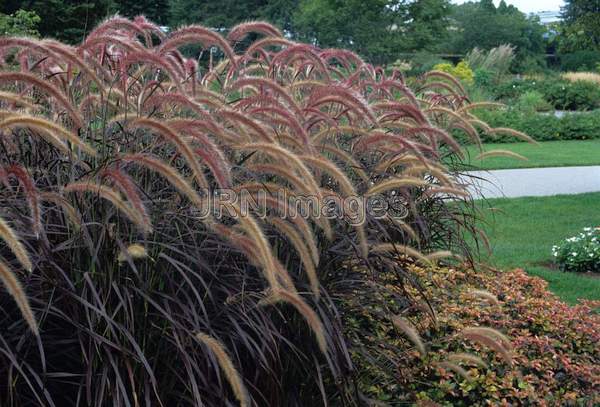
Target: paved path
[(535, 182)]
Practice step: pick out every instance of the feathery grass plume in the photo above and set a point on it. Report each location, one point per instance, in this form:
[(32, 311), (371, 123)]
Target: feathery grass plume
[(452, 114), (113, 197), (17, 99), (409, 111), (440, 85), (129, 189), (285, 118), (428, 170), (305, 310), (265, 83), (58, 134), (146, 58), (155, 164), (70, 212), (439, 255), (395, 183), (261, 44), (484, 127), (248, 247), (134, 251), (70, 54), (348, 189), (283, 172), (53, 49), (289, 158), (491, 338), (31, 193), (410, 332), (253, 230), (338, 130), (240, 31), (440, 134), (514, 133), (484, 294), (241, 122), (303, 52), (182, 146), (444, 191), (352, 163), (288, 231), (395, 248), (448, 77), (116, 24), (198, 33), (481, 105), (345, 96), (468, 359), (456, 369), (12, 241), (7, 77), (500, 153), (14, 288), (284, 209), (226, 364), (405, 159)]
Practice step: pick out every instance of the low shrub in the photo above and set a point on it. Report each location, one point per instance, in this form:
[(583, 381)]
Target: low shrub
[(581, 253), (555, 355), (579, 61), (561, 94), (541, 127), (531, 102), (461, 71)]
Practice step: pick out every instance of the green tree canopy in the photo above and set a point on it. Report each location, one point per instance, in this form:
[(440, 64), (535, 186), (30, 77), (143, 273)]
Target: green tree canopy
[(156, 11), (20, 22), (376, 29), (482, 25), (66, 20), (581, 27)]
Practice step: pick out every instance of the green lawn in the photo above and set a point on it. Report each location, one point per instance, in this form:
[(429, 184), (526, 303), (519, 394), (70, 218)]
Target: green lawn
[(522, 232), (546, 154)]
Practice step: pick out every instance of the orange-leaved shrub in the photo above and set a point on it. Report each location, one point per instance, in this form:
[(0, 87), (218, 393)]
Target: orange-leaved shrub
[(110, 149), (555, 354)]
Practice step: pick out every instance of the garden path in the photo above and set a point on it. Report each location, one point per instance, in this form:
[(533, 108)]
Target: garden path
[(534, 182)]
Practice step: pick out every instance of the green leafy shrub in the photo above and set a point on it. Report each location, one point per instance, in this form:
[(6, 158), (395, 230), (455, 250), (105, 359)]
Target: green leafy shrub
[(581, 253), (461, 71), (483, 78), (532, 101), (579, 95), (21, 22), (555, 357), (579, 61), (542, 127), (561, 94)]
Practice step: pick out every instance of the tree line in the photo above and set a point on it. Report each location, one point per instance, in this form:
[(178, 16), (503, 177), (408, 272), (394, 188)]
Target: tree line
[(379, 30)]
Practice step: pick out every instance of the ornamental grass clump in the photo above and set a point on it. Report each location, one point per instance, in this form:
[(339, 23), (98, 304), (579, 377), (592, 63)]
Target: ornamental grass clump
[(121, 289), (580, 253)]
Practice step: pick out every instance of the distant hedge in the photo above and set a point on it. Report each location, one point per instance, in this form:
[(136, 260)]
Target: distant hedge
[(542, 127)]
